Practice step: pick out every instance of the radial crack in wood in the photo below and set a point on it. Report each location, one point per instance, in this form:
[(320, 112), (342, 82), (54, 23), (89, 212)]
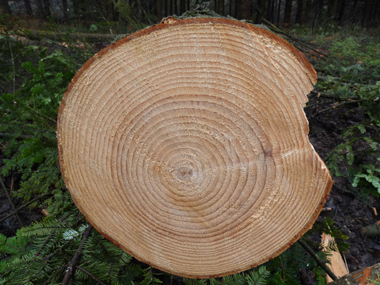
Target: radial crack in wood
[(186, 145)]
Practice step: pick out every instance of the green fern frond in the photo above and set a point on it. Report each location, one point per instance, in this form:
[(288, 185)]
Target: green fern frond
[(43, 228), (14, 245), (150, 278), (258, 277)]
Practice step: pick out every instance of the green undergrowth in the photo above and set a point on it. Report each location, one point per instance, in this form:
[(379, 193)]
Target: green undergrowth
[(350, 79), (34, 77)]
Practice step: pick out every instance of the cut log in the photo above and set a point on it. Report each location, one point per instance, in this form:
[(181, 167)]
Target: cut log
[(186, 145)]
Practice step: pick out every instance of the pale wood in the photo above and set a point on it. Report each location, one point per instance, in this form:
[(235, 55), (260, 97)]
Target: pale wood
[(363, 276), (186, 145), (337, 265)]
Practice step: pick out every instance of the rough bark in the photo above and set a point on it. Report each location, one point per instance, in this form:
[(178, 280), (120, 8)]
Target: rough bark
[(353, 11), (4, 7), (46, 7), (288, 11), (332, 9), (237, 6), (28, 7), (159, 9), (221, 7), (245, 9), (170, 7), (41, 12), (302, 11), (341, 9), (182, 6), (263, 10), (65, 6), (366, 20), (278, 12)]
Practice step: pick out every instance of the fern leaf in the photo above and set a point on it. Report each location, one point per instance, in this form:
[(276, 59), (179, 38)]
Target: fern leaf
[(258, 277)]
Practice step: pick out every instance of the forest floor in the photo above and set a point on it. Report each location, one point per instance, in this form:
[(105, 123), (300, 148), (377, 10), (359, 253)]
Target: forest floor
[(351, 210)]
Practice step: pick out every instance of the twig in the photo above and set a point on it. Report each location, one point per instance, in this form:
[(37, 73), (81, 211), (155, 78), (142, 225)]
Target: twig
[(10, 201), (20, 137), (13, 64), (73, 263), (326, 209), (89, 274), (23, 206), (39, 114), (320, 262), (329, 108)]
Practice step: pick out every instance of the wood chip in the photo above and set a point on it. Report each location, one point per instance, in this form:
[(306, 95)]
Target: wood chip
[(337, 266)]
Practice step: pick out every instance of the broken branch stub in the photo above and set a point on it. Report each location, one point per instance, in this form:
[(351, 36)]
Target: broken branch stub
[(186, 145)]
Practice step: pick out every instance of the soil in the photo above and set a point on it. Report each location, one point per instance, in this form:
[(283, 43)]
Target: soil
[(351, 210), (9, 226)]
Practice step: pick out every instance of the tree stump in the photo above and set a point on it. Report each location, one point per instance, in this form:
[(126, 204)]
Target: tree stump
[(186, 145)]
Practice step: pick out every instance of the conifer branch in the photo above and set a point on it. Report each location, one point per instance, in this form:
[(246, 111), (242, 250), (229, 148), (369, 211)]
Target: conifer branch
[(54, 269), (89, 274), (47, 259), (53, 232), (19, 137), (44, 244), (13, 64), (73, 263)]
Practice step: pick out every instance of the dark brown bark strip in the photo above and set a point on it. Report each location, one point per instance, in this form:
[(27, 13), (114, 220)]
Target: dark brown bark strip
[(320, 262), (73, 263), (10, 201), (23, 206)]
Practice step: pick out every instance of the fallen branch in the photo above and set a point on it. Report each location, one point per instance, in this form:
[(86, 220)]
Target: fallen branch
[(59, 36), (73, 263), (334, 107), (320, 262), (10, 201), (23, 206), (295, 40)]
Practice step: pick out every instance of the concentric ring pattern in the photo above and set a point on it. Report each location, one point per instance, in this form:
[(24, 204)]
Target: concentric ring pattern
[(186, 145)]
